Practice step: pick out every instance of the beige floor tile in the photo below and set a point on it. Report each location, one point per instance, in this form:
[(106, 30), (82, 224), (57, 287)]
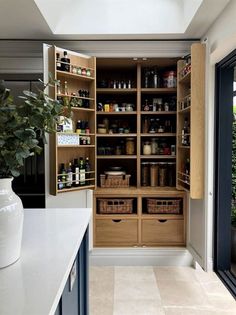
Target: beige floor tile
[(100, 307), (101, 273), (205, 277), (137, 307), (134, 273), (216, 289), (194, 311), (130, 290), (175, 273), (101, 289), (182, 293)]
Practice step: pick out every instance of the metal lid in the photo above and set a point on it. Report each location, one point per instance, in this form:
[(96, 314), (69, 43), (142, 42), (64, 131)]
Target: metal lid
[(154, 163), (145, 163)]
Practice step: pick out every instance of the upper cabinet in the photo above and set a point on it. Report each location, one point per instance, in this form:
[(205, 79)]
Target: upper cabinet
[(72, 148), (190, 122)]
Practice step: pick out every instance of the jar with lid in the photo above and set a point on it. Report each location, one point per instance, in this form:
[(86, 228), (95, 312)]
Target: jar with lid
[(171, 167), (147, 149), (145, 125), (162, 174), (154, 174), (159, 104), (145, 174), (154, 146), (129, 146)]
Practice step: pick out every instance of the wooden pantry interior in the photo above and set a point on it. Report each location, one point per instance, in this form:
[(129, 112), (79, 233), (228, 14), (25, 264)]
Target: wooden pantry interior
[(144, 141)]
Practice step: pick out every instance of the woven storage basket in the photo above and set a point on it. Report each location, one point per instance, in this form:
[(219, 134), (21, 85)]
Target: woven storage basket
[(171, 206), (115, 206), (114, 181)]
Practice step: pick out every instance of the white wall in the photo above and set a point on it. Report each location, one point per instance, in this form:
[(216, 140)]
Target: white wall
[(221, 40)]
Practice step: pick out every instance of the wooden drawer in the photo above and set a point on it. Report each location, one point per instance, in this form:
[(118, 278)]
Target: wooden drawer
[(163, 232), (116, 232)]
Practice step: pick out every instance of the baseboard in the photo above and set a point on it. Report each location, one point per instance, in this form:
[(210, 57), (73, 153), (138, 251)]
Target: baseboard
[(140, 257)]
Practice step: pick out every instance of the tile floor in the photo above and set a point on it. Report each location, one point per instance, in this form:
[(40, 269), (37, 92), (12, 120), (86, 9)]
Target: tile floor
[(157, 291)]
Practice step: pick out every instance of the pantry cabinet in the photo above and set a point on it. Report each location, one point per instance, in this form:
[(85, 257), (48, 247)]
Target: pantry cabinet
[(146, 121)]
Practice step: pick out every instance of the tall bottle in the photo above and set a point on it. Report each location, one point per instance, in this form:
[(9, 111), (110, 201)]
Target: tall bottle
[(66, 92), (65, 65), (58, 63), (185, 136), (69, 176), (76, 173), (63, 177), (87, 169), (82, 181)]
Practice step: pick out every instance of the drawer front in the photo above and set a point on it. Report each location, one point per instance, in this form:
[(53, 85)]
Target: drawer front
[(163, 232), (116, 232)]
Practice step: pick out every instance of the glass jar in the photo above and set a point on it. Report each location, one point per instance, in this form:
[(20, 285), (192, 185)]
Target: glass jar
[(154, 146), (145, 125), (162, 174), (154, 174), (147, 149), (171, 167), (129, 146), (145, 174)]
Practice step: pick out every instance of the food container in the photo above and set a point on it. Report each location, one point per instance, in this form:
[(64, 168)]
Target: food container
[(153, 174), (169, 79), (147, 149), (145, 173), (129, 146), (102, 128)]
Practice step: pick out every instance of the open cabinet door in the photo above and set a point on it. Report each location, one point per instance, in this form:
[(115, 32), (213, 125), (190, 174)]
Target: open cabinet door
[(73, 146)]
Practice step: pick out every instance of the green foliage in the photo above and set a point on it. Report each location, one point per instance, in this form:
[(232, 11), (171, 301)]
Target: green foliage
[(22, 125)]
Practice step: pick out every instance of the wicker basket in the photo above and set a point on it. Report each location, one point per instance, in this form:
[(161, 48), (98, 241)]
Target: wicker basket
[(171, 206), (114, 181), (115, 206)]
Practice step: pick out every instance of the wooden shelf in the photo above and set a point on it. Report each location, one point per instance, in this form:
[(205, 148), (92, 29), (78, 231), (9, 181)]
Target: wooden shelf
[(142, 191), (159, 90), (71, 75), (76, 65), (158, 157), (76, 188), (160, 134), (116, 91), (76, 96), (183, 147), (185, 110), (186, 78), (83, 109), (117, 113), (117, 156), (171, 112), (116, 135), (116, 216), (76, 146), (162, 216)]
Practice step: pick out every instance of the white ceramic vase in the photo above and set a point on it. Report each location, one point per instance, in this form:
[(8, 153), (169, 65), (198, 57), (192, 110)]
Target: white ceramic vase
[(11, 223)]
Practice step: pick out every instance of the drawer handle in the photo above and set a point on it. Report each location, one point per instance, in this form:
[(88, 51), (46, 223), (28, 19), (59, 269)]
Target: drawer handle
[(162, 221), (116, 221)]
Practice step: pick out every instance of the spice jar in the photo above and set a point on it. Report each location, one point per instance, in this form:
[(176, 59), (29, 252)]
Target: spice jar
[(145, 173), (129, 146), (154, 174), (162, 174), (145, 125), (147, 149), (154, 146)]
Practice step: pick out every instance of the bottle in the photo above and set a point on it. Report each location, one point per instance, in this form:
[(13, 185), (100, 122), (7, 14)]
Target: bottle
[(63, 176), (87, 169), (81, 172), (146, 78), (129, 84), (65, 65), (78, 127), (185, 133), (187, 171), (58, 64), (76, 173), (59, 87), (66, 88), (155, 79), (87, 129), (69, 176)]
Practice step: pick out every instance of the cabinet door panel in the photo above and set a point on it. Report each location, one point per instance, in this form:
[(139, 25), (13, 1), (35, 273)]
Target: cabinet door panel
[(163, 232), (116, 232)]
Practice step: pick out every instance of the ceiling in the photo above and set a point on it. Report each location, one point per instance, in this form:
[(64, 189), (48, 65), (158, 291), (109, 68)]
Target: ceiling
[(107, 19)]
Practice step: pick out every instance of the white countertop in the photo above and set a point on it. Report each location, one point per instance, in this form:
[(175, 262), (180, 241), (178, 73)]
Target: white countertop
[(51, 238)]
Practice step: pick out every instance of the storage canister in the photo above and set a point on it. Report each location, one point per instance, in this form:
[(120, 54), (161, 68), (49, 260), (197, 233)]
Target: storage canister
[(171, 173), (145, 174), (129, 146), (162, 174), (147, 149), (154, 174), (154, 146)]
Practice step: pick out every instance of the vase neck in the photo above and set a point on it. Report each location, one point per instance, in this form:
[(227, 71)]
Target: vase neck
[(5, 183)]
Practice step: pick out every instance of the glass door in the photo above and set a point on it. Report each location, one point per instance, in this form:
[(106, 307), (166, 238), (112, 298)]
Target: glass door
[(225, 172)]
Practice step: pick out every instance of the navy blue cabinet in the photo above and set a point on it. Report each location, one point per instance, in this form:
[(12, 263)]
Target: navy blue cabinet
[(74, 299)]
